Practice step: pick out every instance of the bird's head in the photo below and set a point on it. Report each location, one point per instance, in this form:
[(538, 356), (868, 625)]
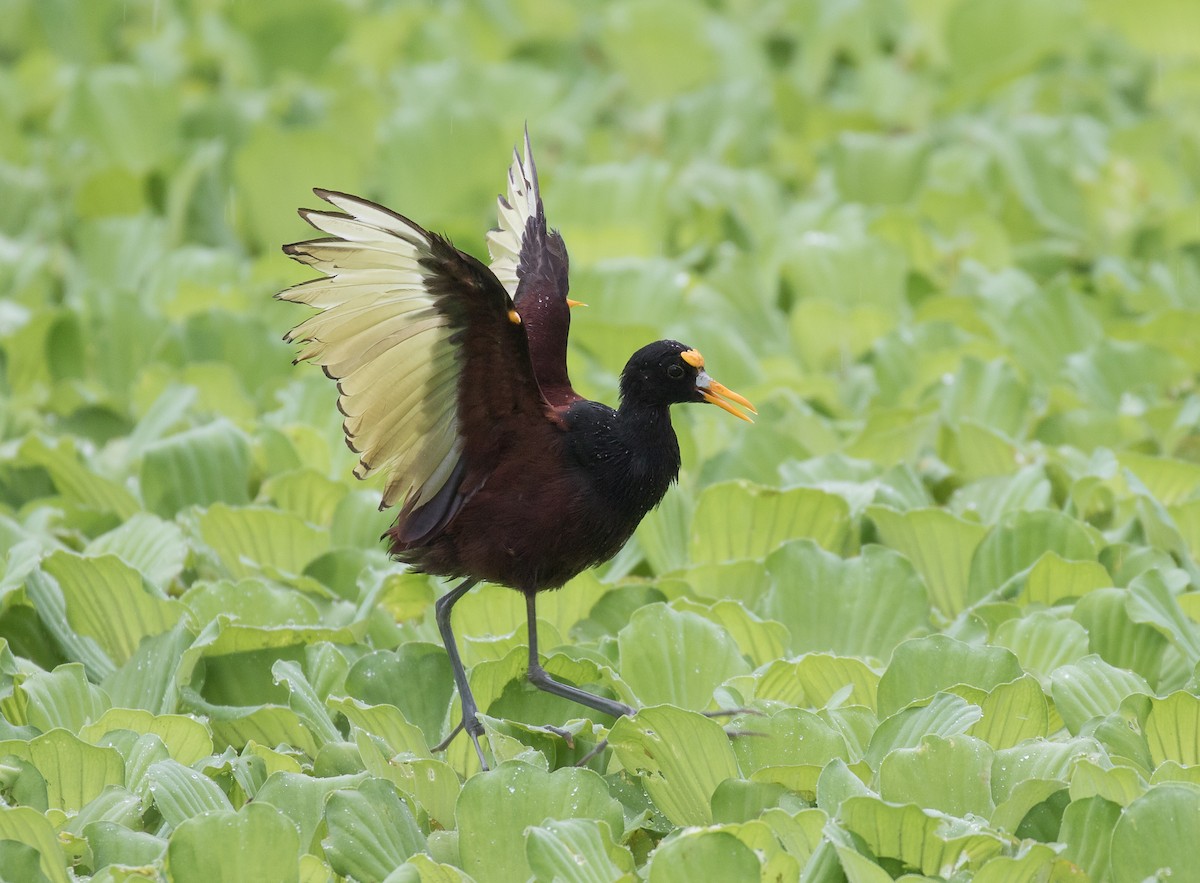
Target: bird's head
[(667, 372)]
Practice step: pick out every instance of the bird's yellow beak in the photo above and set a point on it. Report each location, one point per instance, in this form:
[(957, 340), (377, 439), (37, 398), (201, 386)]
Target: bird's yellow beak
[(575, 303), (717, 394)]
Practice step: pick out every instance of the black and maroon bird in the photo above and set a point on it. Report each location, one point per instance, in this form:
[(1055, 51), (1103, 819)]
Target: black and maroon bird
[(452, 377)]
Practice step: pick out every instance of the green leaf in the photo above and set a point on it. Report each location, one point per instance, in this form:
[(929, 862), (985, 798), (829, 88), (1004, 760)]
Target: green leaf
[(202, 466), (698, 855), (21, 861), (668, 656), (924, 840), (187, 739), (152, 547), (24, 825), (760, 641), (1087, 828), (1115, 637), (76, 773), (989, 394), (789, 737), (924, 666), (1091, 688), (492, 844), (878, 168), (1172, 729), (1120, 784), (1012, 713), (1042, 642), (940, 546), (680, 756), (251, 602), (1151, 601), (1018, 540), (302, 799), (107, 601), (61, 698), (75, 481), (864, 606), (1037, 761), (739, 800), (382, 678), (1155, 835), (384, 721), (1046, 326), (575, 851), (147, 680), (115, 804), (432, 784), (371, 831), (258, 842), (1112, 368), (181, 793), (738, 520), (113, 844), (303, 700), (818, 679), (307, 493), (1053, 579), (946, 715), (247, 540), (951, 775)]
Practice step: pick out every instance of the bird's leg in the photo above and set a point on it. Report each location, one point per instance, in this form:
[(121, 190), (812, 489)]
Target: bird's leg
[(539, 677), (470, 712)]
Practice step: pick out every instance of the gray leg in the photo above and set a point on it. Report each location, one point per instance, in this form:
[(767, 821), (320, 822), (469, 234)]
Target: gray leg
[(539, 677), (470, 712)]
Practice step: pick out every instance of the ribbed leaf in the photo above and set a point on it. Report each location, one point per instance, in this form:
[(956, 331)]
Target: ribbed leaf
[(24, 825), (926, 841), (738, 520), (496, 808), (199, 467), (74, 771), (107, 601), (181, 793), (674, 657), (1156, 835), (247, 540), (861, 606), (924, 666), (951, 775), (681, 758), (256, 843), (154, 548), (700, 854), (1018, 540), (576, 851), (1090, 688), (939, 544)]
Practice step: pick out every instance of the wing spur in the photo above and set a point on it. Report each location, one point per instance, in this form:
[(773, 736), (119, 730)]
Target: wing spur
[(531, 261), (420, 340), (524, 202)]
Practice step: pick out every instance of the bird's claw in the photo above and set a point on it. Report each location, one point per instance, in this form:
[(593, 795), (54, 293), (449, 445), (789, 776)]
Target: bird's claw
[(474, 732), (566, 735)]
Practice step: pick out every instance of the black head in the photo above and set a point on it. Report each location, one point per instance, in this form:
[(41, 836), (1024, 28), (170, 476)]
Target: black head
[(667, 372)]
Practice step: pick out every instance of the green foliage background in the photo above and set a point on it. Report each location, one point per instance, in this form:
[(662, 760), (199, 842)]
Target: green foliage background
[(951, 248)]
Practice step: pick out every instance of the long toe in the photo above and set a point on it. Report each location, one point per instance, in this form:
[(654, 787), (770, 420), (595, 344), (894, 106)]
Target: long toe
[(473, 731)]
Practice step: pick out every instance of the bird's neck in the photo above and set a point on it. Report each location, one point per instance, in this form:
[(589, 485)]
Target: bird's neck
[(650, 448)]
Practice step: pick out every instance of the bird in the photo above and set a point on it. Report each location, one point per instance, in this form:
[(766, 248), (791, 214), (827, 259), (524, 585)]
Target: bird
[(452, 380)]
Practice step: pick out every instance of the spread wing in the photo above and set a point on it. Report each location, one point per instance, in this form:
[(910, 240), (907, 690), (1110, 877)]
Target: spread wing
[(430, 359), (531, 261)]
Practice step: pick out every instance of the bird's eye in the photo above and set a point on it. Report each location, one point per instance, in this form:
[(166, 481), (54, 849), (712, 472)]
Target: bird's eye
[(675, 371)]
